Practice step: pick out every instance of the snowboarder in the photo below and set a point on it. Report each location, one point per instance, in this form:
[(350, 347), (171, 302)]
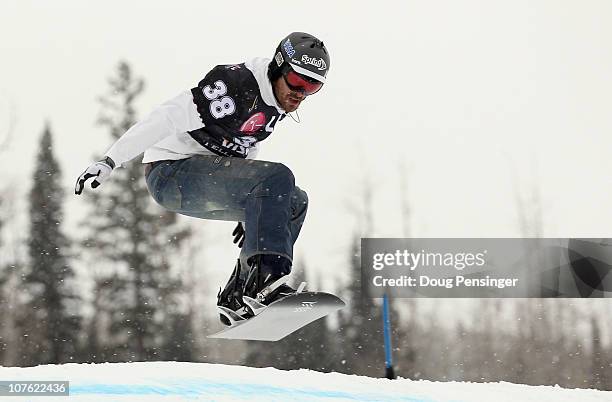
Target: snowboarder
[(199, 151)]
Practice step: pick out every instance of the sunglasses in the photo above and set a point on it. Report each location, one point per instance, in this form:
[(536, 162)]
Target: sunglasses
[(299, 83)]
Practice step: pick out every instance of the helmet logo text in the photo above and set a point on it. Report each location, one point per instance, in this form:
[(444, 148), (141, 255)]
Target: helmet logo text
[(289, 48), (319, 63), (279, 59)]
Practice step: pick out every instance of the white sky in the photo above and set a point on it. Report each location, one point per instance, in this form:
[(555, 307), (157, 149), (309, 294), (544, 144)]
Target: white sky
[(468, 93)]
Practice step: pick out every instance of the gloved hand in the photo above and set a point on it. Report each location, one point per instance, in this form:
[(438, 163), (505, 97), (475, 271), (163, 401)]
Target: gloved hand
[(100, 170), (238, 234)]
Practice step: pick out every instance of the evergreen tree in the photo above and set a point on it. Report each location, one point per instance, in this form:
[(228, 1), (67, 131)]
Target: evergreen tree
[(12, 256), (180, 343), (132, 240), (361, 328), (51, 322), (3, 300), (599, 365)]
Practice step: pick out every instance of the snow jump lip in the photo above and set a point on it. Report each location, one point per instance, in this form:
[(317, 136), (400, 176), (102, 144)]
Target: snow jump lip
[(179, 381), (222, 390)]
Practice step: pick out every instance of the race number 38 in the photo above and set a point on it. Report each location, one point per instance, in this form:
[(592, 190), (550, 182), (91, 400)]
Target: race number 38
[(219, 107)]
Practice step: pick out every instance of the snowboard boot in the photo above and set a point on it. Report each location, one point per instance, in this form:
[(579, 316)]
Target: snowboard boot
[(265, 282), (231, 296)]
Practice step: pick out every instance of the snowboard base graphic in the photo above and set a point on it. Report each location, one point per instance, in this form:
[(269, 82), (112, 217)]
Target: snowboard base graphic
[(283, 317)]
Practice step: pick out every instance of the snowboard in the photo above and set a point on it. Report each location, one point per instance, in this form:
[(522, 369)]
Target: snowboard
[(283, 317)]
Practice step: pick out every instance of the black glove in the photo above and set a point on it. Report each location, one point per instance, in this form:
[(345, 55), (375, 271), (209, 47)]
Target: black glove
[(238, 234)]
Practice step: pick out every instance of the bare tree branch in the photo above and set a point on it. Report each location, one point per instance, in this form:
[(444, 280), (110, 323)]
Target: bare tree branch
[(7, 133), (405, 210)]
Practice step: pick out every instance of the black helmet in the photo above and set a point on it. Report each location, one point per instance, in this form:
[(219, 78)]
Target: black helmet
[(304, 54)]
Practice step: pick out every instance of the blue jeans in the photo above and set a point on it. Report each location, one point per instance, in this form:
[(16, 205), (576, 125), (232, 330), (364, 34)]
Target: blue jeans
[(261, 194)]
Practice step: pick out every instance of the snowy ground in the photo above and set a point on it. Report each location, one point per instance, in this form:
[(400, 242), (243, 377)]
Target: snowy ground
[(212, 382)]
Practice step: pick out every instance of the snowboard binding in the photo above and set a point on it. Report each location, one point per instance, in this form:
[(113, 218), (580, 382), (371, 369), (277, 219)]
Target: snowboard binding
[(229, 300), (242, 299)]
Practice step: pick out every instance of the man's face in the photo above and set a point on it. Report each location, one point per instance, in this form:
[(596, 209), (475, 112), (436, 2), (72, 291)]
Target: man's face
[(288, 99)]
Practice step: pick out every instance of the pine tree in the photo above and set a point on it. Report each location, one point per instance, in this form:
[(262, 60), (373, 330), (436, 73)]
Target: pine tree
[(361, 324), (180, 342), (3, 299), (51, 322), (12, 261), (131, 239), (599, 365)]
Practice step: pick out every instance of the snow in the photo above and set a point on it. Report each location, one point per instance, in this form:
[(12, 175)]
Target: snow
[(173, 381)]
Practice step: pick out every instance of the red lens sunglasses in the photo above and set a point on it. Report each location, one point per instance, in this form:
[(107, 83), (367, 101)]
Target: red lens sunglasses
[(299, 83)]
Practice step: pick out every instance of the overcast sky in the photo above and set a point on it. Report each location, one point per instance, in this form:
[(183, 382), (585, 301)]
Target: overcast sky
[(472, 96)]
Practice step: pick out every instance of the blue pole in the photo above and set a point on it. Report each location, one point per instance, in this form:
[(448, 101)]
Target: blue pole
[(389, 372)]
